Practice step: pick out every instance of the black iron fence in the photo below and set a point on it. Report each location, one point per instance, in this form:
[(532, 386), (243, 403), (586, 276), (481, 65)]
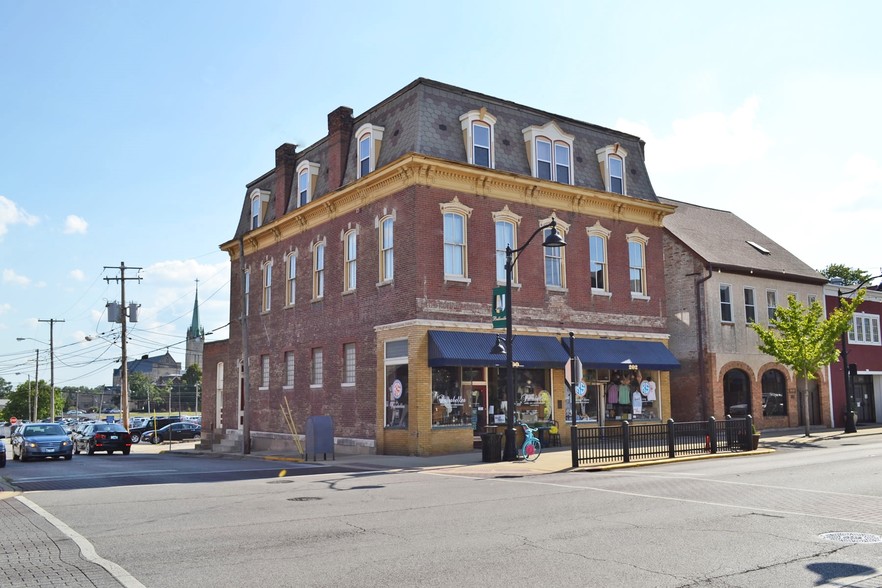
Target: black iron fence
[(624, 442)]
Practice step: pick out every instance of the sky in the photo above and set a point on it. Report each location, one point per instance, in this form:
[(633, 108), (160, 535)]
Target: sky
[(129, 130)]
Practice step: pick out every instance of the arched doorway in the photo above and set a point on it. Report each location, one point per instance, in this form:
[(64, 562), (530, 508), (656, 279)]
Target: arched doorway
[(774, 394), (736, 393)]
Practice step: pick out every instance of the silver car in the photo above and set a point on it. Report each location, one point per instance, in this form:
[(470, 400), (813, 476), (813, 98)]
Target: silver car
[(40, 440)]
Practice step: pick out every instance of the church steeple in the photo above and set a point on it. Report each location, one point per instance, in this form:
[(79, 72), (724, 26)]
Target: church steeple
[(195, 336)]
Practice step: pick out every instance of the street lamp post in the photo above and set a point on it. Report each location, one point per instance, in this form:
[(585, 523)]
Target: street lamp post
[(850, 416), (36, 380), (554, 239)]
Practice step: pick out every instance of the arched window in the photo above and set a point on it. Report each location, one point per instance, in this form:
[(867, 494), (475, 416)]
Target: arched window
[(774, 394), (736, 393)]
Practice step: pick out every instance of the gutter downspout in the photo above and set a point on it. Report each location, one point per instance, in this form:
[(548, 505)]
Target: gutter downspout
[(702, 367)]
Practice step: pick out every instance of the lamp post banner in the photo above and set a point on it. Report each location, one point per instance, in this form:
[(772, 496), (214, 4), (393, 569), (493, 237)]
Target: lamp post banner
[(499, 305)]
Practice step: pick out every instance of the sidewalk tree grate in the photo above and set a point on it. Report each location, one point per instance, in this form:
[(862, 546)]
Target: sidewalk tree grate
[(847, 537)]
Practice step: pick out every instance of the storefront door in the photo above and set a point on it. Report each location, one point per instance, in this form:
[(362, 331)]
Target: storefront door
[(864, 403)]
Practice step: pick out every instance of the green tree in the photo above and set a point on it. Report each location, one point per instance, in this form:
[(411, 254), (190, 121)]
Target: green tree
[(22, 398), (192, 382), (142, 391), (799, 337), (5, 388), (850, 276)]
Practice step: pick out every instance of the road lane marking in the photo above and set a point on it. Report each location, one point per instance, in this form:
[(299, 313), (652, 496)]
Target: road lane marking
[(86, 548)]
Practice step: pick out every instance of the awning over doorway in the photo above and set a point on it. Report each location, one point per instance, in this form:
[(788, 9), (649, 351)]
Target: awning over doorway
[(619, 354), (453, 348)]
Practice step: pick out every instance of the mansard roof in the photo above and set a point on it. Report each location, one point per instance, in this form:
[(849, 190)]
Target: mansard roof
[(725, 241)]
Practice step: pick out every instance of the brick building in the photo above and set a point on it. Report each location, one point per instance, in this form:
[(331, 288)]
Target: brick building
[(862, 350), (722, 274), (363, 268)]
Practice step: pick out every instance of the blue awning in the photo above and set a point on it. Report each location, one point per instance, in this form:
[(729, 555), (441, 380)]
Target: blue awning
[(619, 354), (453, 348)]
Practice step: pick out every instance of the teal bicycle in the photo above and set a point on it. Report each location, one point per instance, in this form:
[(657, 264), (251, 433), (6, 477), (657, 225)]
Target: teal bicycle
[(531, 448)]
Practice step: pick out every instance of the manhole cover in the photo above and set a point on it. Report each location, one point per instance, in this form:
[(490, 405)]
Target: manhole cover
[(846, 537), (304, 498)]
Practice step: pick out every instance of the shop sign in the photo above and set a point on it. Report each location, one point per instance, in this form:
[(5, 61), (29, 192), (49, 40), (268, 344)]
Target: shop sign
[(581, 389)]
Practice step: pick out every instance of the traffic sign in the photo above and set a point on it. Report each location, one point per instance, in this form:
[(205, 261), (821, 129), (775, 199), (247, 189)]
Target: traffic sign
[(13, 420)]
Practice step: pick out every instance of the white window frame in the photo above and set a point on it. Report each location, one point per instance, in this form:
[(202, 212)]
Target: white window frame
[(864, 329), (749, 307), (319, 250), (347, 378), (307, 176), (247, 298), (259, 204), (603, 156), (598, 233), (771, 303), (316, 368), (639, 240), (555, 255), (291, 278), (267, 294), (350, 260), (468, 122), (289, 370), (456, 210), (372, 136), (726, 304), (505, 217), (386, 241), (264, 372), (551, 134)]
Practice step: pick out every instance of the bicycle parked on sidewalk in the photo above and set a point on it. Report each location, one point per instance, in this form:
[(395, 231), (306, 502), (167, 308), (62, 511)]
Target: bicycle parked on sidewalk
[(531, 448)]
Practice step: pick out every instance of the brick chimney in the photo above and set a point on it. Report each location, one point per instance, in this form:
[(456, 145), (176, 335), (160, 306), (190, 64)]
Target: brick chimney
[(286, 158), (339, 136)]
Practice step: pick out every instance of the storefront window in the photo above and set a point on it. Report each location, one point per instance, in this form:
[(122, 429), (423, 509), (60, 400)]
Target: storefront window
[(396, 384), (617, 395), (451, 401)]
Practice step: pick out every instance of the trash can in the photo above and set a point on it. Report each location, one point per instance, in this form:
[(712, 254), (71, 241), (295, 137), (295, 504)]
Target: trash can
[(491, 447)]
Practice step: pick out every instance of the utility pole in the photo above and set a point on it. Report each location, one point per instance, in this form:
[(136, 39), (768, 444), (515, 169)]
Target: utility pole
[(37, 395), (123, 370), (51, 365)]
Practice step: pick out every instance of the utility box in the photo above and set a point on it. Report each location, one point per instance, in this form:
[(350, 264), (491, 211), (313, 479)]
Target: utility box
[(319, 436)]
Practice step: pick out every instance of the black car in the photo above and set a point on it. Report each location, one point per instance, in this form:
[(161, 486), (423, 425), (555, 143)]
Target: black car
[(2, 452), (152, 424), (107, 437), (36, 440), (175, 432)]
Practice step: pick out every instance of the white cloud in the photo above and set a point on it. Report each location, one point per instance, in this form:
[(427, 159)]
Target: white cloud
[(708, 139), (10, 277), (11, 214), (75, 224), (5, 307), (78, 275)]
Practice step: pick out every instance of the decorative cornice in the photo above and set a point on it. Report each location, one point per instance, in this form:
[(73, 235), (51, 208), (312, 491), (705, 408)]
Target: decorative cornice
[(422, 170)]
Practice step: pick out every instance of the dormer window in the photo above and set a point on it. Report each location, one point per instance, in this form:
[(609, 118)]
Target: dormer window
[(477, 133), (259, 205), (549, 150), (307, 174), (612, 167), (370, 137)]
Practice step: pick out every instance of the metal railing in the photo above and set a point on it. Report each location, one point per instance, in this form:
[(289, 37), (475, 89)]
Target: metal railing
[(625, 443)]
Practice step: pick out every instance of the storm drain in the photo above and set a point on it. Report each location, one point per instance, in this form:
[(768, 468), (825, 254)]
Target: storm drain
[(846, 537), (304, 498)]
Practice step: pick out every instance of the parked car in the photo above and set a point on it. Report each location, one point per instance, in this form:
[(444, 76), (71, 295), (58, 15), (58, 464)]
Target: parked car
[(152, 424), (74, 412), (107, 437), (173, 431), (2, 452), (36, 440)]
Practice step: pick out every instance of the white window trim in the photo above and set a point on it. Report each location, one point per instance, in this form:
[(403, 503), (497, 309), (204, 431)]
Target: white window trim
[(746, 305), (290, 288), (638, 237), (312, 370), (852, 332), (266, 292), (376, 134), (323, 243), (264, 372), (603, 155), (457, 207), (344, 239), (381, 261), (598, 230), (247, 287), (731, 304), (480, 115), (344, 384), (553, 134), (562, 228), (313, 170), (507, 216), (770, 316), (263, 197), (289, 370)]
